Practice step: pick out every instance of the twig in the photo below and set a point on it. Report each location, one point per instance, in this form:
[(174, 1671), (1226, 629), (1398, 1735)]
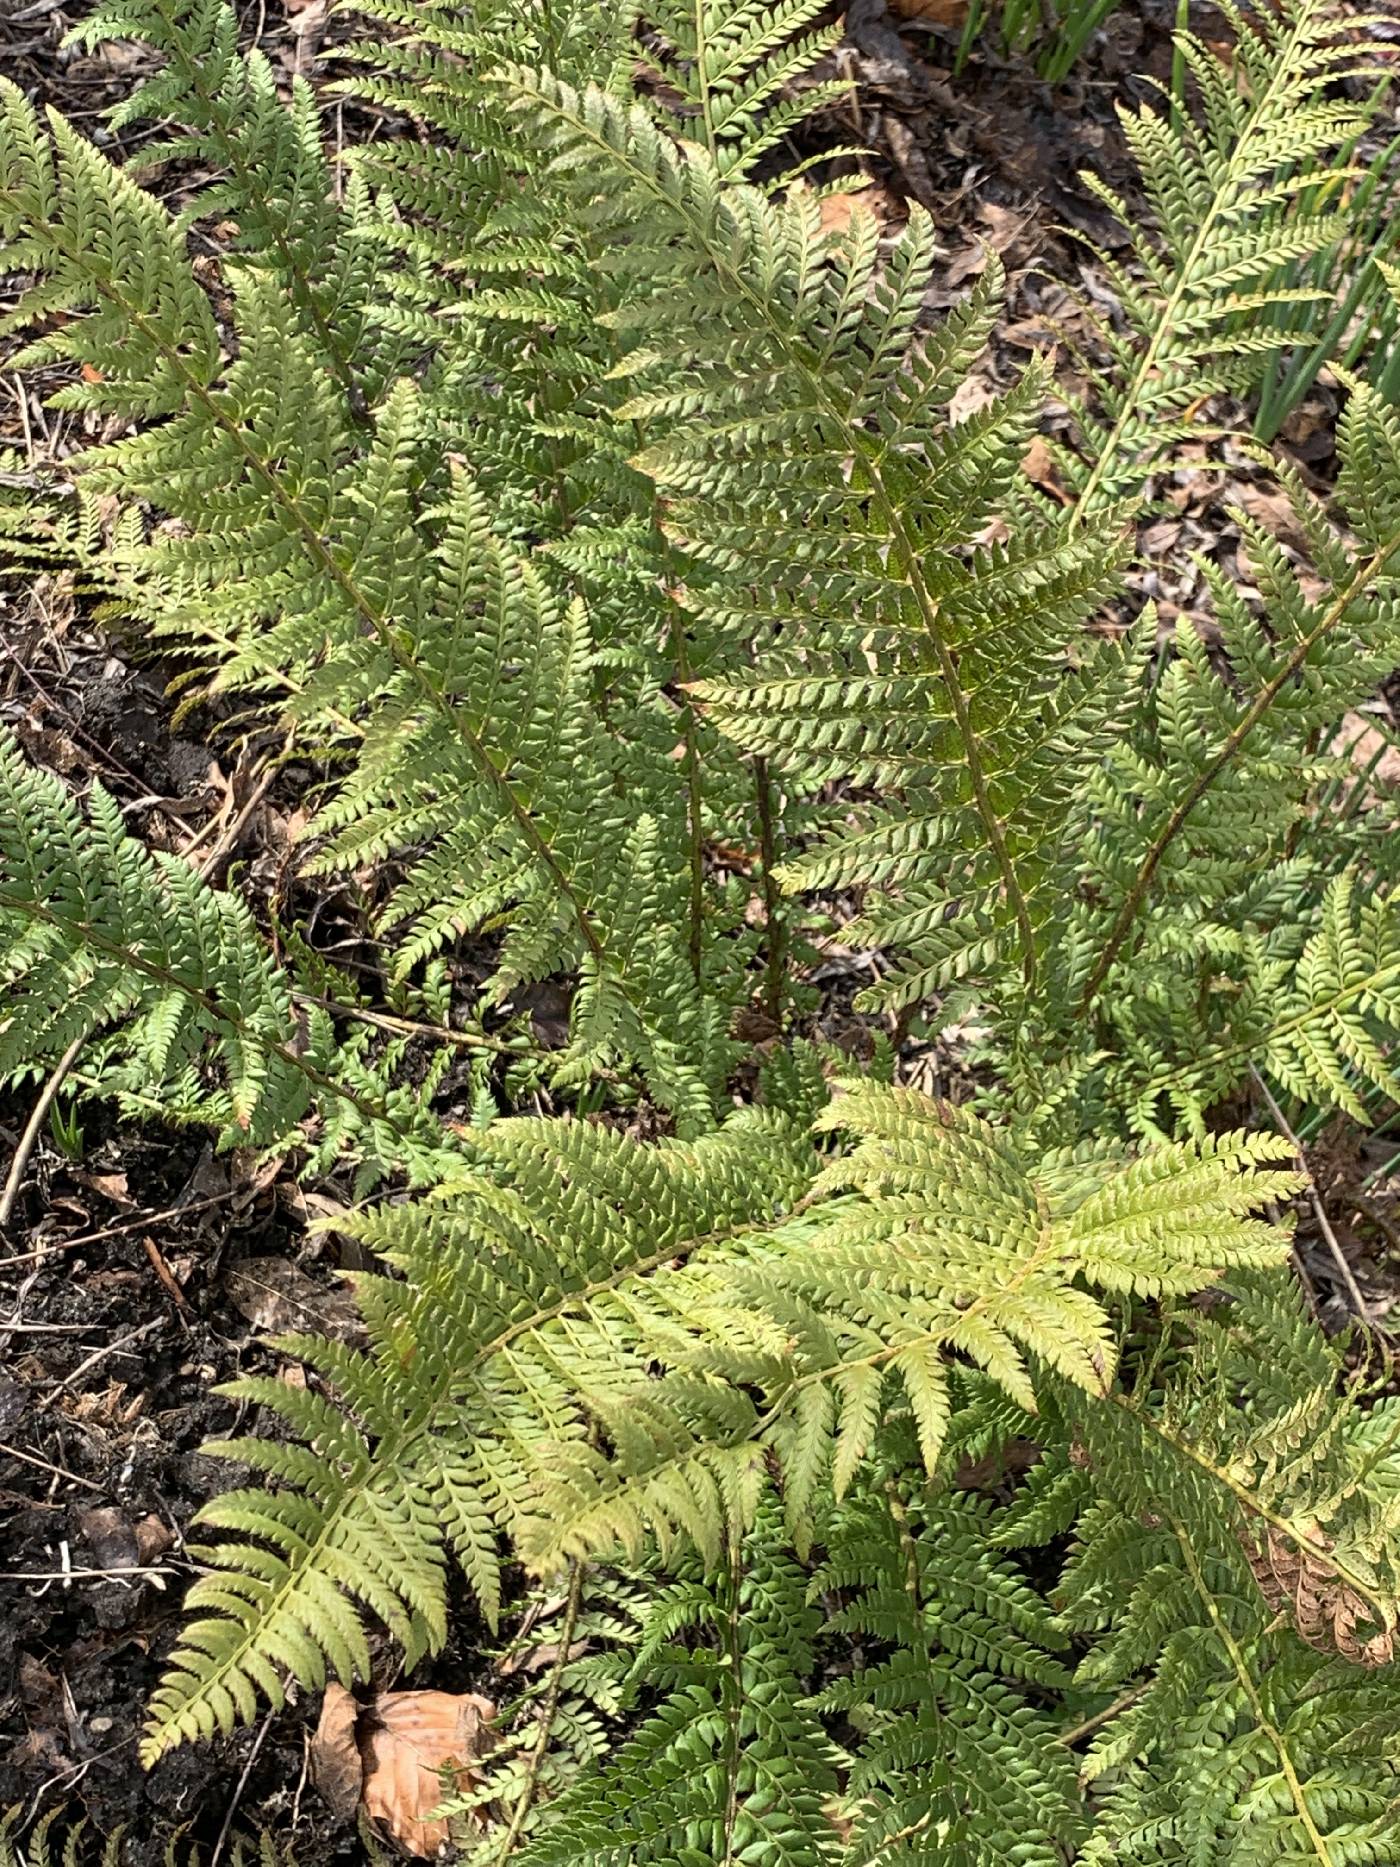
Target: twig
[(32, 1458), (168, 1283), (1078, 1732), (116, 1231), (228, 840), (551, 1706), (116, 1573), (1324, 1224), (109, 1348), (33, 1125), (239, 1787)]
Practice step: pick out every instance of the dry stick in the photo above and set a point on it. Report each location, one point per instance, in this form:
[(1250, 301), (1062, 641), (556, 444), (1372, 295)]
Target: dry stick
[(33, 1125), (32, 1458), (551, 1705), (228, 841), (239, 1787), (1324, 1224), (81, 1575), (101, 1354), (127, 1225)]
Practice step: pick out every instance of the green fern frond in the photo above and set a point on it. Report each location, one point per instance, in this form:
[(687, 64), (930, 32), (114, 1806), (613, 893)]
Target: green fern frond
[(532, 1375), (1222, 189), (732, 1765)]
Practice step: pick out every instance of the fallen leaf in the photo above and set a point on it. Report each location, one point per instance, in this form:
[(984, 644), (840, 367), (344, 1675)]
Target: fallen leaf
[(110, 1536), (336, 1765), (968, 398), (414, 1738), (111, 1186), (1361, 742), (1038, 463), (936, 12), (391, 1757), (278, 1297), (838, 210)]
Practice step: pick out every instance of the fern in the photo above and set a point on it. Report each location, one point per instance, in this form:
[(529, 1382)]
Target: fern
[(947, 1712), (168, 979), (1223, 193), (38, 1845), (1256, 1621), (513, 1384), (732, 1765), (597, 524)]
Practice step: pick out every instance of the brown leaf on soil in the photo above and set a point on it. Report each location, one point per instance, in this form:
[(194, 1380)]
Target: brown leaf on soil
[(1328, 1613), (1361, 742), (837, 210), (392, 1758), (935, 12), (1038, 464), (279, 1298), (336, 1766)]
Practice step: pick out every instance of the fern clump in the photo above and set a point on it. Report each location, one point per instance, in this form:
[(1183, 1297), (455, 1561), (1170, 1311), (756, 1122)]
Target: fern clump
[(599, 523)]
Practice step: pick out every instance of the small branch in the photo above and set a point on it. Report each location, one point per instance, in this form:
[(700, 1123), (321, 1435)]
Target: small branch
[(101, 1354), (44, 1465), (238, 1790), (1324, 1224), (775, 968), (526, 1798), (1078, 1732), (228, 840), (57, 1078)]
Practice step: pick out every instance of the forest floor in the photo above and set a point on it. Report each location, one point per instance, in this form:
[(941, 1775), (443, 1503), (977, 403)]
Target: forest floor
[(140, 1270)]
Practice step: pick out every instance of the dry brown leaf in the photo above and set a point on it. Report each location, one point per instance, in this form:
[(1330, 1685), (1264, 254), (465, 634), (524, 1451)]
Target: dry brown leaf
[(279, 1297), (970, 396), (1329, 1614), (336, 1766), (1361, 742), (936, 12), (1038, 463), (837, 210), (391, 1758)]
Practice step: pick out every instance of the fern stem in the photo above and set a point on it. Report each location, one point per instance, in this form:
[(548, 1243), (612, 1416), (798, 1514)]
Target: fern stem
[(694, 780), (1316, 1551), (733, 1699), (1256, 1704), (775, 925), (548, 1712), (1282, 71), (1324, 1224), (1373, 567), (1076, 1733), (856, 442), (221, 1014), (412, 1027)]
